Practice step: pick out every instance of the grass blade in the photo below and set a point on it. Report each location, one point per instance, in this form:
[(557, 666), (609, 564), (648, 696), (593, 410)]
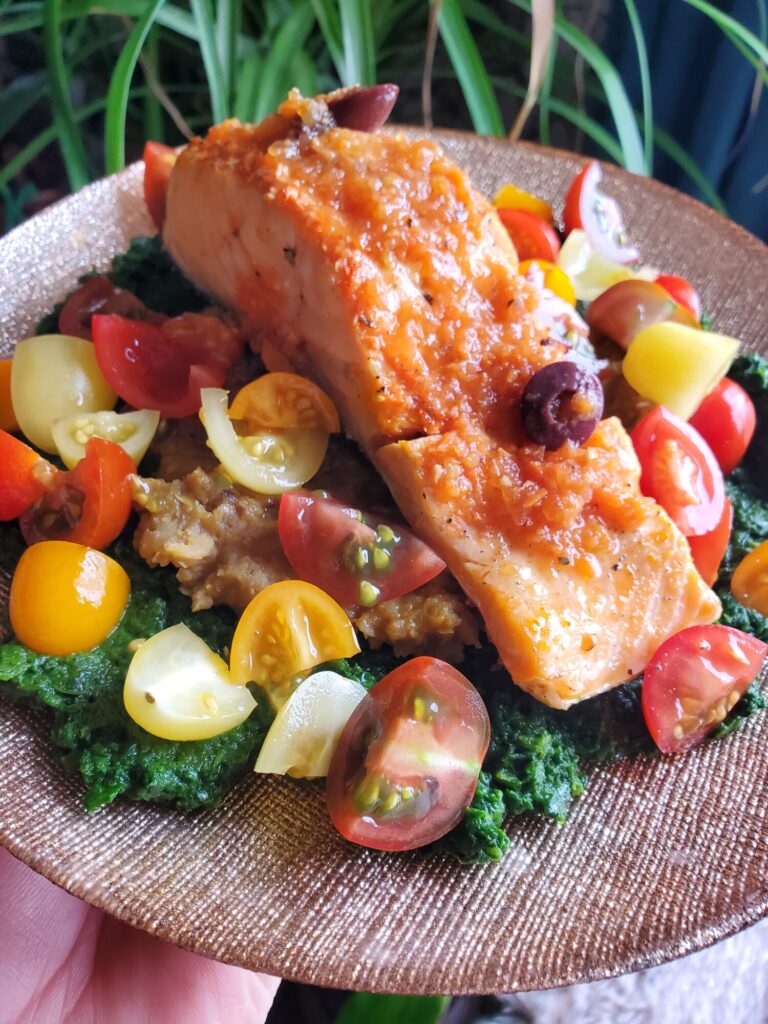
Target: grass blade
[(359, 52), (153, 111), (19, 98), (119, 89), (327, 15), (470, 70), (374, 1009), (687, 164), (248, 86), (645, 82), (733, 29), (228, 14), (627, 131), (207, 38), (70, 141), (542, 34), (429, 62), (276, 76)]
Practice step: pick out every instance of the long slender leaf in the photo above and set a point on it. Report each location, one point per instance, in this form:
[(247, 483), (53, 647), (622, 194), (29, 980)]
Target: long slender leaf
[(545, 135), (70, 141), (374, 1009), (732, 28), (748, 55), (228, 13), (207, 38), (357, 42), (276, 73), (470, 70), (248, 86), (304, 73), (542, 33), (119, 89), (153, 111), (327, 15), (676, 152), (429, 61), (610, 80), (645, 82), (19, 98)]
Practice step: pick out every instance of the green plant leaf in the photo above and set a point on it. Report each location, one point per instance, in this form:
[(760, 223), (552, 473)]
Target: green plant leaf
[(327, 14), (470, 70), (359, 54), (373, 1009), (19, 97), (627, 131), (645, 82), (686, 162), (228, 15), (247, 86), (70, 141), (206, 34), (276, 76), (153, 111), (119, 89), (735, 31)]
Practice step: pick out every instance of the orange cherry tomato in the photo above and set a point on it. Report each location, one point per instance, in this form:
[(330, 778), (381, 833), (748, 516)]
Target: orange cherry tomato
[(284, 401), (90, 504), (709, 548), (158, 164), (510, 197), (682, 292), (533, 238), (8, 419), (749, 583), (20, 485), (66, 598)]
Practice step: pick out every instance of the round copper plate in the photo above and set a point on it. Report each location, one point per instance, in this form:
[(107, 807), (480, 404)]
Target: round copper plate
[(658, 859)]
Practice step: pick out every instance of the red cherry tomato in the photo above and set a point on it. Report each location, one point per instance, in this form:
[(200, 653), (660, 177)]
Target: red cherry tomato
[(726, 420), (694, 679), (406, 764), (679, 471), (158, 164), (165, 367), (20, 486), (88, 505), (587, 209), (708, 549), (682, 292), (358, 558), (533, 238), (624, 309), (99, 295)]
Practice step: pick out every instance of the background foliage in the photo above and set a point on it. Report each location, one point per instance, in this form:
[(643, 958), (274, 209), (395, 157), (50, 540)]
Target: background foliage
[(84, 84)]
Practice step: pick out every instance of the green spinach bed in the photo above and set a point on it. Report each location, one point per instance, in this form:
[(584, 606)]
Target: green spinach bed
[(539, 759)]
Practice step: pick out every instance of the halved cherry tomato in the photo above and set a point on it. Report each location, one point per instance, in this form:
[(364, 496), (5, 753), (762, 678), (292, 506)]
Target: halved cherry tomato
[(8, 419), (708, 549), (510, 197), (21, 483), (694, 679), (284, 401), (164, 368), (533, 238), (99, 295), (749, 583), (158, 164), (89, 504), (626, 308), (726, 420), (358, 558), (588, 209), (682, 292), (287, 629), (406, 764), (679, 471), (66, 598)]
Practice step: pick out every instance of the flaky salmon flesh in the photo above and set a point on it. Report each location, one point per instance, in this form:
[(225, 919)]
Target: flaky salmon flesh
[(369, 263)]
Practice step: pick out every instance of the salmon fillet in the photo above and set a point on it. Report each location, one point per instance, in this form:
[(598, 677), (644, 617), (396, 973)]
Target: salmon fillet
[(369, 263)]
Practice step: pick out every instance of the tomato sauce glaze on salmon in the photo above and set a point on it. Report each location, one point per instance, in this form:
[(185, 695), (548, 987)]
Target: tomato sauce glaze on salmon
[(368, 262)]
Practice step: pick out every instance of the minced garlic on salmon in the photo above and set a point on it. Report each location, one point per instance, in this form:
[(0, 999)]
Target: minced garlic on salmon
[(375, 268)]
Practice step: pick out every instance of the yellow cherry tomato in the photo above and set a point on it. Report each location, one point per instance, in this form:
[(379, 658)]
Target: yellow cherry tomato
[(288, 629), (510, 197), (749, 583), (555, 278), (8, 419), (676, 365), (284, 401), (66, 598), (133, 431), (177, 688)]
